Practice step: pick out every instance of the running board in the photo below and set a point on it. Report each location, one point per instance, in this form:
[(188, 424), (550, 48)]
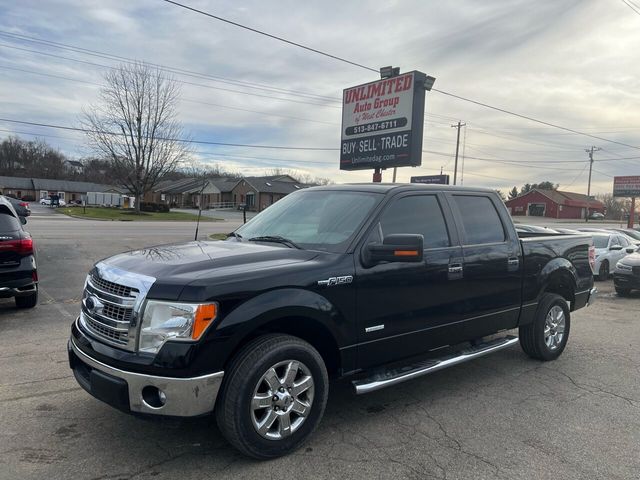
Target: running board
[(386, 377)]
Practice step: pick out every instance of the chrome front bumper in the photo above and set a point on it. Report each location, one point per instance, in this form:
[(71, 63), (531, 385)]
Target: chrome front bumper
[(184, 397)]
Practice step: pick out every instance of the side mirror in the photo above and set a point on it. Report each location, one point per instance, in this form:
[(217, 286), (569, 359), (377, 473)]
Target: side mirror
[(630, 250), (615, 247), (23, 220), (401, 247)]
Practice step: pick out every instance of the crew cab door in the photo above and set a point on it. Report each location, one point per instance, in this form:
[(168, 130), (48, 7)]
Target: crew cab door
[(493, 263), (402, 306)]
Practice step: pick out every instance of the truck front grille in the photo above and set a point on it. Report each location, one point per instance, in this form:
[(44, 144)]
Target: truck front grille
[(113, 288), (107, 311), (104, 332)]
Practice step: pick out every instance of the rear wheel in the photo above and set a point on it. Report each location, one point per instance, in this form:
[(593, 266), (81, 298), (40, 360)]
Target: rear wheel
[(623, 292), (603, 272), (273, 396), (27, 301), (546, 337)]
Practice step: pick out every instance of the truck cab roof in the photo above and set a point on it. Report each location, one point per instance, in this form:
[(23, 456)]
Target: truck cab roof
[(387, 187)]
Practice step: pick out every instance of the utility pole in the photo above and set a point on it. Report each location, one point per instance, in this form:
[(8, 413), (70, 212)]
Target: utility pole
[(590, 152), (455, 167)]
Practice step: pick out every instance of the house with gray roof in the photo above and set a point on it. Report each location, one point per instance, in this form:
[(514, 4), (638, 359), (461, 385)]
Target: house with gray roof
[(259, 193), (33, 189)]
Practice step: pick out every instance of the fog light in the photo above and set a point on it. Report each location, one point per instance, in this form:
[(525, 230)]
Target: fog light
[(153, 396)]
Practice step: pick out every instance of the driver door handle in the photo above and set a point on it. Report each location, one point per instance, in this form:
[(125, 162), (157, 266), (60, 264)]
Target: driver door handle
[(455, 268)]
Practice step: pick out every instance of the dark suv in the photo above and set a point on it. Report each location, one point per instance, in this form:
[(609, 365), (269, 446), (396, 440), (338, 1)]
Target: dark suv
[(18, 272)]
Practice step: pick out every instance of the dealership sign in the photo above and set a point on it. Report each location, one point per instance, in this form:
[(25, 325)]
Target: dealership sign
[(382, 123), (626, 186), (431, 179)]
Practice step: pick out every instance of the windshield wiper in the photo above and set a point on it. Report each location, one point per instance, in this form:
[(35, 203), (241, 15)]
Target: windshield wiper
[(234, 234), (276, 239)]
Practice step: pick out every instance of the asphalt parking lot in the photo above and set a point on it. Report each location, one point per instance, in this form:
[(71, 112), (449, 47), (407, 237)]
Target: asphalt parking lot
[(502, 416)]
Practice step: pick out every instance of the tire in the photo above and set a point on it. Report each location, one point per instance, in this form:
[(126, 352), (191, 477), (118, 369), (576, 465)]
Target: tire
[(28, 301), (603, 272), (238, 418), (623, 292), (535, 341)]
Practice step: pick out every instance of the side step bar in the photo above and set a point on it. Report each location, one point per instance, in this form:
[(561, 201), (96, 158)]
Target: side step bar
[(384, 378)]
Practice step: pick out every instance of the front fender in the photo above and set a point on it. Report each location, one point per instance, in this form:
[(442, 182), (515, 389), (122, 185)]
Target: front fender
[(286, 302), (304, 313)]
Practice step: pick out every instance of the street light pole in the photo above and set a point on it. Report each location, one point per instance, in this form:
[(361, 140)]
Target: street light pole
[(590, 152)]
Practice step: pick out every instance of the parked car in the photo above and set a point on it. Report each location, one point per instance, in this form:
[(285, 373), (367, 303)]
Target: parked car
[(535, 229), (566, 231), (18, 272), (349, 281), (610, 247), (635, 234), (626, 276), (596, 216), (49, 201), (21, 207)]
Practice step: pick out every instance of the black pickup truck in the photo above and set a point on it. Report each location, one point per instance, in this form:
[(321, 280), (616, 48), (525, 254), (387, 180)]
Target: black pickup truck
[(379, 283)]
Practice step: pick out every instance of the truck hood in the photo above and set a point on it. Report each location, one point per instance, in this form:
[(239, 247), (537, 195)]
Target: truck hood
[(179, 264)]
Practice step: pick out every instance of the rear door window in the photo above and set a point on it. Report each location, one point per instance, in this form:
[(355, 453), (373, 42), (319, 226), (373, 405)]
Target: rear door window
[(480, 220)]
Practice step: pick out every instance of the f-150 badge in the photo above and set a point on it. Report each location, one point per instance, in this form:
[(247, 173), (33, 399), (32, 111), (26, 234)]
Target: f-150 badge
[(330, 282)]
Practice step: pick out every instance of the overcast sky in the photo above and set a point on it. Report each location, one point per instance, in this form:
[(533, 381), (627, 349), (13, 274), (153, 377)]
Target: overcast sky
[(569, 62)]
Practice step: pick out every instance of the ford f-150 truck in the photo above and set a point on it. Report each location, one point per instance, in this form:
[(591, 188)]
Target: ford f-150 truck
[(378, 283)]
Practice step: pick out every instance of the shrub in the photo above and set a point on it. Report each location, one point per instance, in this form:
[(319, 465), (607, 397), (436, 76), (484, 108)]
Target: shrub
[(153, 207)]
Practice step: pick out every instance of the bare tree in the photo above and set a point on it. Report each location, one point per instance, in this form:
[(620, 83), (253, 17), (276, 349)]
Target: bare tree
[(135, 125)]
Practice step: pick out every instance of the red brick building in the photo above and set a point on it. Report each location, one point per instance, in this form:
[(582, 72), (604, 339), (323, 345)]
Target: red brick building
[(554, 204)]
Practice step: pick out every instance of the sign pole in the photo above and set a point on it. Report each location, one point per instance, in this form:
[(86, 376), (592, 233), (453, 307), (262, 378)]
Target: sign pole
[(632, 213)]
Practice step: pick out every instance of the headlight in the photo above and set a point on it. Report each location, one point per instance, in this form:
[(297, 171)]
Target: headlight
[(164, 321)]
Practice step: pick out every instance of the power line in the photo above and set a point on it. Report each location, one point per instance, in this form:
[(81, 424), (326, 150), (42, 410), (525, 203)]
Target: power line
[(242, 83), (185, 140), (459, 97), (171, 69), (275, 37), (184, 82), (637, 12), (531, 119)]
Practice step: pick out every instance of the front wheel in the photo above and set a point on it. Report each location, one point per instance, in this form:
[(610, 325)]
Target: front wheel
[(546, 337), (603, 271), (273, 396), (623, 292)]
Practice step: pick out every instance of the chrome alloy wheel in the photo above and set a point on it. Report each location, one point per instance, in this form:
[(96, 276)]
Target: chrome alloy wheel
[(554, 327), (282, 399)]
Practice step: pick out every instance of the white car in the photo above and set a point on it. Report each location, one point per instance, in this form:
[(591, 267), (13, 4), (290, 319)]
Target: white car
[(610, 248), (47, 201)]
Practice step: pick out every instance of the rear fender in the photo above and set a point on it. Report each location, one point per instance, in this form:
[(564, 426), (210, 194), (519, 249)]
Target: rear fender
[(558, 276)]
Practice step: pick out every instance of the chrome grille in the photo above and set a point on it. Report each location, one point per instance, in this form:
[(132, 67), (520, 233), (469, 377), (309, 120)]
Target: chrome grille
[(117, 313), (113, 288), (107, 310), (108, 333)]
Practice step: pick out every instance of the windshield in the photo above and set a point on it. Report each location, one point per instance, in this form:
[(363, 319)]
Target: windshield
[(601, 241), (315, 220)]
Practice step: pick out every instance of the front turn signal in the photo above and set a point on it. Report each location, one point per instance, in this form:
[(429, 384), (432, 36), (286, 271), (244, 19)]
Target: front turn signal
[(205, 315)]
